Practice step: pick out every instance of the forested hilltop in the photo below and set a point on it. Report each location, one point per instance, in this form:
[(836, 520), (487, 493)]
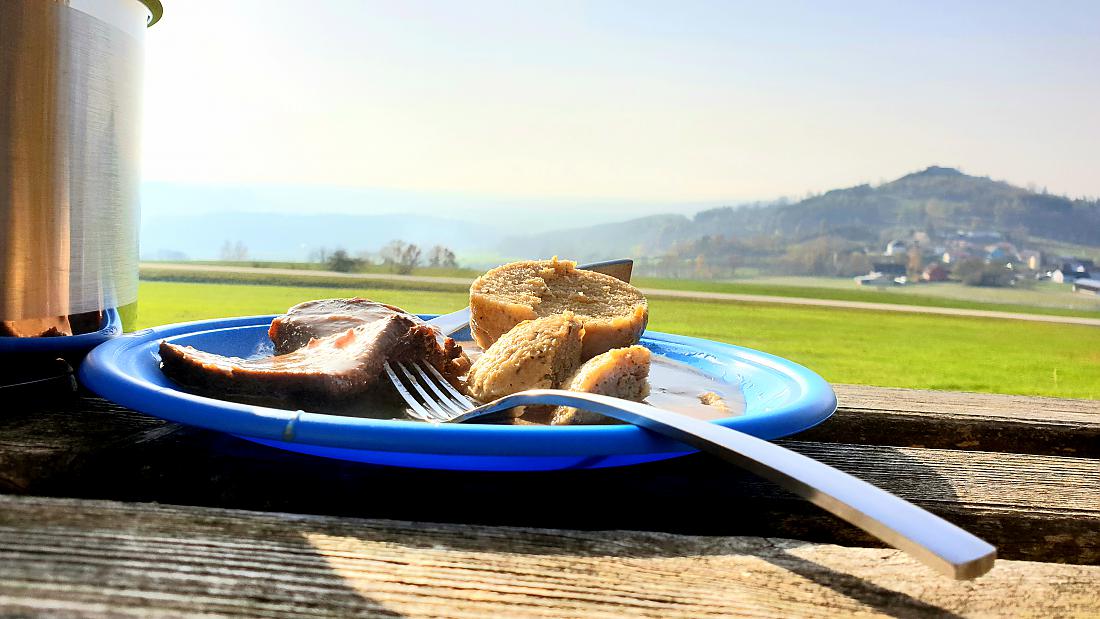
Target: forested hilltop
[(933, 205)]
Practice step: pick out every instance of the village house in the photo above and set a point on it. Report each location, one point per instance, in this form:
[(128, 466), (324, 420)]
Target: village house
[(957, 250), (895, 248), (935, 272), (981, 237), (883, 274), (1031, 259), (1087, 285), (1071, 270), (1001, 252)]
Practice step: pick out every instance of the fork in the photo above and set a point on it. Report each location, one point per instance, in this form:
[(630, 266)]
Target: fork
[(930, 539)]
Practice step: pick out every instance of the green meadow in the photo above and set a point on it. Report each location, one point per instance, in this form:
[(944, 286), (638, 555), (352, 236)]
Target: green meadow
[(844, 346), (1042, 298)]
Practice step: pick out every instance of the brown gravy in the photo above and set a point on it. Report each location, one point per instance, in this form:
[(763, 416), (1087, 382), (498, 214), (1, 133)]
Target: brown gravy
[(674, 386), (677, 386)]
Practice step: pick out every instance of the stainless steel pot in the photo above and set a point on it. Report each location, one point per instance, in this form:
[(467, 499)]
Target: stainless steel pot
[(70, 110)]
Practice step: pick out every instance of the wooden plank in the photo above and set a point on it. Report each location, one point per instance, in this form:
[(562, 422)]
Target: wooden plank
[(1043, 508), (48, 436), (953, 420), (1031, 507), (93, 558), (38, 439)]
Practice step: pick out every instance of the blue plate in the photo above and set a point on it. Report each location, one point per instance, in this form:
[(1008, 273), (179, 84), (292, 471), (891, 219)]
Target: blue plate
[(781, 398), (112, 326)]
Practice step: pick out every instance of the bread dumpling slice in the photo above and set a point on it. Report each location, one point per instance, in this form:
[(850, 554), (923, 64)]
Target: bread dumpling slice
[(536, 354), (613, 312), (621, 373)]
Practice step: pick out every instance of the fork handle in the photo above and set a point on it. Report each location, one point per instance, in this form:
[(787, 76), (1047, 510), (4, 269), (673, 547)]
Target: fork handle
[(927, 537)]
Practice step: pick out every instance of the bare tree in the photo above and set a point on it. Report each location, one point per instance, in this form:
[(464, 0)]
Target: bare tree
[(410, 259), (400, 256), (234, 251), (915, 262), (440, 256), (391, 253)]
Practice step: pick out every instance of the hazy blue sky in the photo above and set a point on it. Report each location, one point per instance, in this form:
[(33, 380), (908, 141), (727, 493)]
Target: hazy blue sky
[(631, 100)]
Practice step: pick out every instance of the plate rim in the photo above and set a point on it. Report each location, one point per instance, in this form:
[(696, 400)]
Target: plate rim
[(102, 373), (112, 327)]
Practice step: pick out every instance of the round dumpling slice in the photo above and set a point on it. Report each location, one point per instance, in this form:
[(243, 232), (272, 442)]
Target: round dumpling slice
[(536, 354), (613, 312), (621, 373)]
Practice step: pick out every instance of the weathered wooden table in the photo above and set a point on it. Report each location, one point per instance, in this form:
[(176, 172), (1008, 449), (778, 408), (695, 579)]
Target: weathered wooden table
[(108, 512)]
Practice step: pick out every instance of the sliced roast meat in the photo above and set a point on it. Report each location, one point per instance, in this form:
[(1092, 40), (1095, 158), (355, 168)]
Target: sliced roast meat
[(324, 317), (329, 369)]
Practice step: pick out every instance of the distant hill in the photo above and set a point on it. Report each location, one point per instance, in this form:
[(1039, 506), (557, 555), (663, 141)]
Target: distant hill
[(936, 200), (284, 222), (273, 223), (634, 237)]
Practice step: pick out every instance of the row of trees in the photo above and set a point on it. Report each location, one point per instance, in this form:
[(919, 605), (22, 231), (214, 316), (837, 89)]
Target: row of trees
[(718, 256), (236, 252), (398, 256)]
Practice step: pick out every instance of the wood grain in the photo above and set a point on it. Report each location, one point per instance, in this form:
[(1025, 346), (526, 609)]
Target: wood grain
[(41, 440), (1032, 507), (953, 420), (1042, 508), (46, 437), (94, 558)]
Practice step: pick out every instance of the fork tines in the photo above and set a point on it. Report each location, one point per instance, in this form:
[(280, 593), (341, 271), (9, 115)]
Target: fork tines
[(429, 396)]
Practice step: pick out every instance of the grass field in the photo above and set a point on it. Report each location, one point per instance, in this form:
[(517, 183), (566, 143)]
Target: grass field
[(1040, 294), (1045, 298), (1058, 303), (845, 346)]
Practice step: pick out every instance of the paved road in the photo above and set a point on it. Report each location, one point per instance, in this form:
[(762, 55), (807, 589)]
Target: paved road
[(654, 292)]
